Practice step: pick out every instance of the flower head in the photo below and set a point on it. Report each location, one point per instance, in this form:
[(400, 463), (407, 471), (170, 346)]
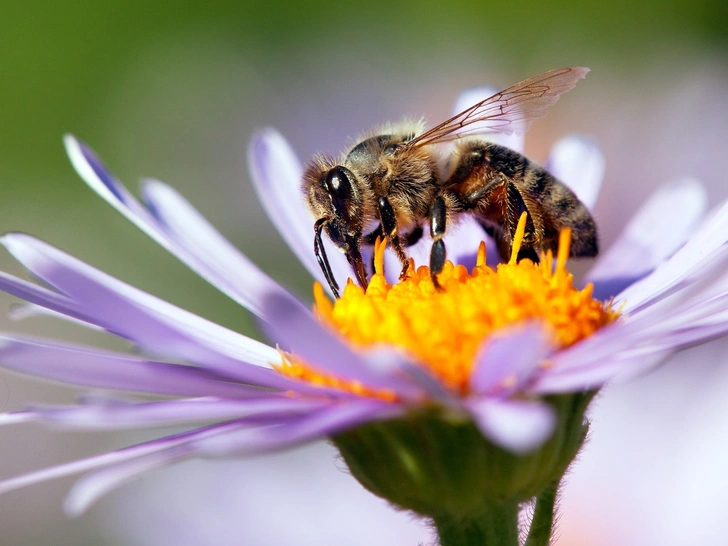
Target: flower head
[(445, 329), (508, 355)]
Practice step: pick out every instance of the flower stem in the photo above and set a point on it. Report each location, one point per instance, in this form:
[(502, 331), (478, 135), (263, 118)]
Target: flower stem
[(498, 527), (543, 517)]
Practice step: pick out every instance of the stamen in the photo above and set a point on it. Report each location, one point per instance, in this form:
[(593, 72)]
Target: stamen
[(518, 238), (547, 259), (480, 260), (379, 247), (564, 248)]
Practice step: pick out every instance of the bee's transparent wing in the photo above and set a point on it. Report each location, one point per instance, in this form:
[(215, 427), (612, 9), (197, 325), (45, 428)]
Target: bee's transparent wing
[(509, 111)]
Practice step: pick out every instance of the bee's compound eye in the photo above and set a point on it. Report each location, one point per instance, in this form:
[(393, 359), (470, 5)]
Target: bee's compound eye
[(338, 184), (339, 187)]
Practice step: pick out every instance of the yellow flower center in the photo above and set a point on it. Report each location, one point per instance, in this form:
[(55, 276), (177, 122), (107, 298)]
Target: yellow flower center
[(443, 329)]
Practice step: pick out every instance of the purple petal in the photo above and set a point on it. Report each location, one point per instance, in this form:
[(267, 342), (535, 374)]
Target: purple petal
[(703, 248), (633, 341), (331, 420), (420, 251), (232, 438), (463, 241), (473, 95), (696, 301), (87, 490), (300, 333), (695, 334), (656, 232), (210, 254), (692, 318), (276, 173), (116, 457), (608, 346), (389, 359), (589, 377), (23, 311), (37, 295), (505, 362), (516, 425), (695, 287), (579, 163), (335, 418), (91, 367), (608, 342), (180, 229), (703, 312), (123, 415), (152, 323), (392, 266)]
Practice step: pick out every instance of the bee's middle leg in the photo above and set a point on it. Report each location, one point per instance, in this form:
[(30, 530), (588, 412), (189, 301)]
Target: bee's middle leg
[(389, 226), (408, 239), (438, 224), (370, 238)]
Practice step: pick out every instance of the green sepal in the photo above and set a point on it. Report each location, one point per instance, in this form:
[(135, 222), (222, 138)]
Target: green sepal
[(438, 464)]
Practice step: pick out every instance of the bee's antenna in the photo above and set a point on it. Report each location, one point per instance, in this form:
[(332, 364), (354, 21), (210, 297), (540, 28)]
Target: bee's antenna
[(318, 248)]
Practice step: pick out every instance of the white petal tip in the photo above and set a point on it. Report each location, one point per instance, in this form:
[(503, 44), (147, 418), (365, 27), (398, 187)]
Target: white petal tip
[(265, 136), (12, 240), (73, 508), (75, 152), (69, 140), (579, 163), (517, 426)]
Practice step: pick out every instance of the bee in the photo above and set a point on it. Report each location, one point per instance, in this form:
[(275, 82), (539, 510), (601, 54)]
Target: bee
[(395, 180)]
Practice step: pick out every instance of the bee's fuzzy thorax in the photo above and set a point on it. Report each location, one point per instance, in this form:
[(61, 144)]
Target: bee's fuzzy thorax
[(399, 129)]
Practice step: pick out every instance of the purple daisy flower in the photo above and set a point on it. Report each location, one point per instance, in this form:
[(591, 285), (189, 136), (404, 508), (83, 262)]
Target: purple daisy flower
[(665, 275)]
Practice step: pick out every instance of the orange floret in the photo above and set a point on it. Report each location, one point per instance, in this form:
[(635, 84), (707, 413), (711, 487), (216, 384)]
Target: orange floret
[(443, 329)]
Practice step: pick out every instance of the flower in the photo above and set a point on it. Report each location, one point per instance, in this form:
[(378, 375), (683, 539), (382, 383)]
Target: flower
[(663, 273)]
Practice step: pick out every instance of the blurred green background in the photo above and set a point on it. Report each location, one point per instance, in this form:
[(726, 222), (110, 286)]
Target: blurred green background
[(175, 89)]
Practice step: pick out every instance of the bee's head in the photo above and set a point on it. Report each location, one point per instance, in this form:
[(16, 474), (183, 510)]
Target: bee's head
[(335, 198), (333, 192)]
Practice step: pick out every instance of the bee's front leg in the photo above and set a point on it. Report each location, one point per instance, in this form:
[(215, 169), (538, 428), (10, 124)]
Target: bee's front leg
[(353, 256), (389, 226), (323, 260)]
